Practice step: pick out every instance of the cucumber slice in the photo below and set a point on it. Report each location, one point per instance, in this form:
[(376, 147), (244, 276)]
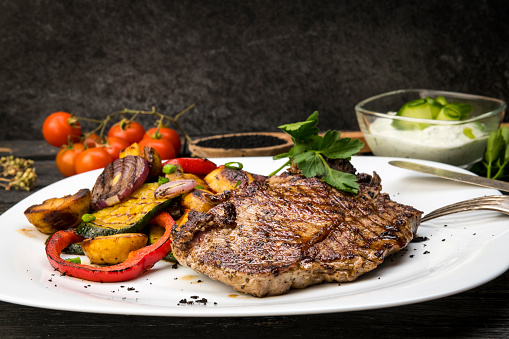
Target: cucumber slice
[(427, 108), (435, 105), (430, 108)]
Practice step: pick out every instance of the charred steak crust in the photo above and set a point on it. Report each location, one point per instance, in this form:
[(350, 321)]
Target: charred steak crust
[(290, 231)]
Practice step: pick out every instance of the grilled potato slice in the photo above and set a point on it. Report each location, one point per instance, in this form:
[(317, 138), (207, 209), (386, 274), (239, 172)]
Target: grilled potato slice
[(223, 178), (134, 149), (198, 200), (112, 249), (59, 213)]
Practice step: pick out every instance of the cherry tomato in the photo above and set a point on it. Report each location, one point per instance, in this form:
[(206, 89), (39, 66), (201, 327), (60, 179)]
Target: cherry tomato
[(167, 133), (162, 146), (93, 140), (91, 159), (128, 130), (66, 158), (114, 145), (59, 127)]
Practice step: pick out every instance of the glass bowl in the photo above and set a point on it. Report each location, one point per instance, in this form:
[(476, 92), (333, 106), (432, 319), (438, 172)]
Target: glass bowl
[(461, 142)]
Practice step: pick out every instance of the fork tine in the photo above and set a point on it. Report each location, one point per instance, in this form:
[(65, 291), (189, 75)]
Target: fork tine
[(486, 200), (442, 212), (498, 203), (472, 203)]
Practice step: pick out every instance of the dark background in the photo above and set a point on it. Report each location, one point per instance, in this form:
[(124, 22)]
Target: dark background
[(246, 65)]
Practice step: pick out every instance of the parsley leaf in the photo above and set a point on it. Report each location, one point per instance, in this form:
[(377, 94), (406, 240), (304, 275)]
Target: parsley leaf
[(342, 181), (310, 164), (302, 131), (310, 150)]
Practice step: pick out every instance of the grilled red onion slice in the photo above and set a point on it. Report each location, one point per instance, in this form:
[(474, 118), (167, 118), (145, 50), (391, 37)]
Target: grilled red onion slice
[(173, 188), (118, 180)]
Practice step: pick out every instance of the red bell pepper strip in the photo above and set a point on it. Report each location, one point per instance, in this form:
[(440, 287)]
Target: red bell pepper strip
[(198, 166), (136, 263)]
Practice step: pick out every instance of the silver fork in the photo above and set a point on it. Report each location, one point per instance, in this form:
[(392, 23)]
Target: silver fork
[(498, 203)]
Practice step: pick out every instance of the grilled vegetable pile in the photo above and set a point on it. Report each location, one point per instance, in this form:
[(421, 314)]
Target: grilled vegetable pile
[(123, 224)]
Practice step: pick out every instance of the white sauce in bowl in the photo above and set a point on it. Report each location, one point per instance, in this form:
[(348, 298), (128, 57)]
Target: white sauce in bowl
[(447, 144)]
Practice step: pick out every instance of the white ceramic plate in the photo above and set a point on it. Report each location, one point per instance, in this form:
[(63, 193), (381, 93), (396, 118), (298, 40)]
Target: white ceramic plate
[(462, 252)]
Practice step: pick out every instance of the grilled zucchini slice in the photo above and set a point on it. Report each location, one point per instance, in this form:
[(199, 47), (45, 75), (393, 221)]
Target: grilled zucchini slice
[(128, 216)]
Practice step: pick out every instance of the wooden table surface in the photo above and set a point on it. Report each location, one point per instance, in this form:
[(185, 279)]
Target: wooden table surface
[(482, 312)]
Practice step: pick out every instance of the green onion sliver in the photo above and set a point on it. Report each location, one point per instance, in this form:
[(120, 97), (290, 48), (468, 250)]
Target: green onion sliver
[(468, 132), (88, 217), (234, 165), (169, 168), (162, 180), (76, 260), (452, 112)]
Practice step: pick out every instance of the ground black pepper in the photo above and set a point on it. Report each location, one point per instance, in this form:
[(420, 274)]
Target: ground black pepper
[(242, 141)]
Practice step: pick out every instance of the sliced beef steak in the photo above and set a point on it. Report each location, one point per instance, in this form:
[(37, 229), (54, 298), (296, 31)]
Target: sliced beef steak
[(290, 231)]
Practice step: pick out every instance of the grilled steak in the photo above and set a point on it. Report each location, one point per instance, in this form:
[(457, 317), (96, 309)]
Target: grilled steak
[(290, 231)]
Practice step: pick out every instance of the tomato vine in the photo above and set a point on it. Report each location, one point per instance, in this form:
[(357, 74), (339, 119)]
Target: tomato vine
[(162, 118)]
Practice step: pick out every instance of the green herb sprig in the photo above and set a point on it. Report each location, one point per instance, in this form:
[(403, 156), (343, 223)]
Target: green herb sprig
[(495, 163), (310, 149)]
